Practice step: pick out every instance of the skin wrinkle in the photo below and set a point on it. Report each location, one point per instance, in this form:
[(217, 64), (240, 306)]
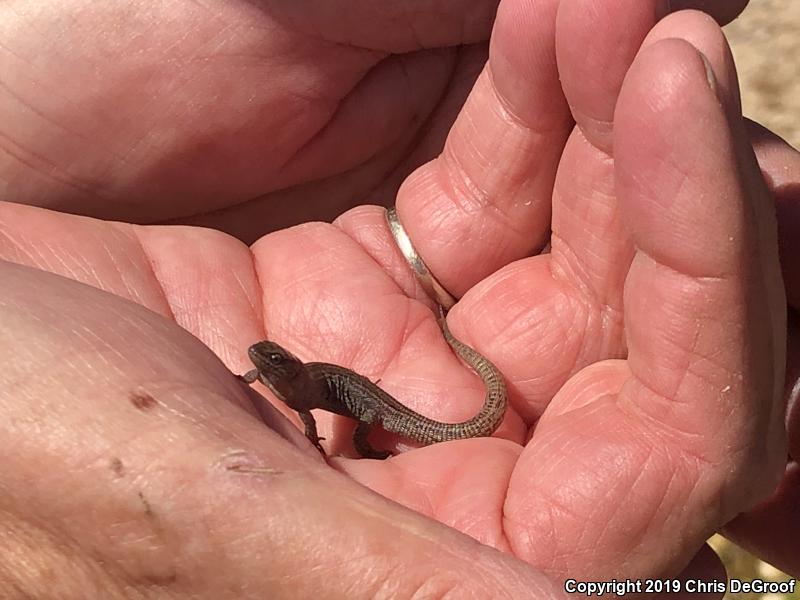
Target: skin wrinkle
[(322, 129), (62, 542), (672, 394), (575, 277), (661, 509), (31, 254), (38, 571), (604, 534), (523, 545), (632, 403), (688, 368), (692, 369), (481, 199), (586, 293), (63, 265), (131, 291), (463, 498), (673, 519), (578, 277), (643, 182), (573, 330), (255, 308), (476, 200), (60, 126), (712, 504), (150, 264), (421, 588), (515, 186), (379, 65), (585, 540), (98, 349), (574, 337), (666, 430), (505, 109), (408, 331), (50, 173)]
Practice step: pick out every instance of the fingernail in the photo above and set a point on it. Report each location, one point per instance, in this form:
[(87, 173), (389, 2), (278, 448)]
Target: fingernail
[(712, 80)]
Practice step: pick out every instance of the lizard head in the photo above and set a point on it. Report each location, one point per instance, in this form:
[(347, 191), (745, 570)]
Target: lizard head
[(277, 368)]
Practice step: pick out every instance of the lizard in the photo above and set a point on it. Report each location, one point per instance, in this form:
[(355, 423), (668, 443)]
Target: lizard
[(318, 385)]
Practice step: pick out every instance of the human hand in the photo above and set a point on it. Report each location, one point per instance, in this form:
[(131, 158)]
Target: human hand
[(208, 287), (243, 116), (220, 112)]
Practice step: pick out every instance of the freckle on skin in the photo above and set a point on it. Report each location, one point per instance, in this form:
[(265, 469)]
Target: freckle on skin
[(117, 466), (143, 400)]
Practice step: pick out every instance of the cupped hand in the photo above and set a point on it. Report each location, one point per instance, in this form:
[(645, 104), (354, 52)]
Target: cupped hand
[(128, 444), (218, 113)]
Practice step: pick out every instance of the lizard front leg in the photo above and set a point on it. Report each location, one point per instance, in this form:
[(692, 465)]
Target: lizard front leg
[(311, 429), (248, 377)]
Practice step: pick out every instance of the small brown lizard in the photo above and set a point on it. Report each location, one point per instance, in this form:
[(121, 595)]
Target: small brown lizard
[(305, 386)]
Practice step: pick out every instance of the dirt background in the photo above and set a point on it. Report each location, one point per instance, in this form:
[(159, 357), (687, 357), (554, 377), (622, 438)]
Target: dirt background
[(766, 45)]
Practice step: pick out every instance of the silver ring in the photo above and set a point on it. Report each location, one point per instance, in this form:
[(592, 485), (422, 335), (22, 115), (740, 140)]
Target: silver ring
[(432, 287)]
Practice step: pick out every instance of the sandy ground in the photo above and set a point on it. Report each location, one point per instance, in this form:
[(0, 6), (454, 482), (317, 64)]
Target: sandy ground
[(766, 45)]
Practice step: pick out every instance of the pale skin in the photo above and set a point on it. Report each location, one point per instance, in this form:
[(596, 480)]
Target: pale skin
[(644, 353)]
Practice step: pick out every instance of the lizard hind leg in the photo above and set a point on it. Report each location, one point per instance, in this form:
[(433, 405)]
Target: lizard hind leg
[(363, 447)]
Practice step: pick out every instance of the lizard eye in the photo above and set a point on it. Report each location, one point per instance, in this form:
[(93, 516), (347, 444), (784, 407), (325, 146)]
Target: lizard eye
[(275, 358)]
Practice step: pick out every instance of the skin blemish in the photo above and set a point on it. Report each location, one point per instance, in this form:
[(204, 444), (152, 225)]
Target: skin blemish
[(148, 509), (116, 465), (239, 461), (143, 400)]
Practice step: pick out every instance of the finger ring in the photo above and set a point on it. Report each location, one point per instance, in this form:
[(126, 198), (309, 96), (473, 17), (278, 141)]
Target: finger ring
[(429, 283)]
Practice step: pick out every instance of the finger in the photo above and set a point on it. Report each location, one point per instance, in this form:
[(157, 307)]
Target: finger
[(772, 529), (596, 44), (695, 433), (200, 278), (704, 301), (485, 201), (767, 530), (126, 465), (780, 164), (703, 578), (792, 391), (584, 198), (723, 11)]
